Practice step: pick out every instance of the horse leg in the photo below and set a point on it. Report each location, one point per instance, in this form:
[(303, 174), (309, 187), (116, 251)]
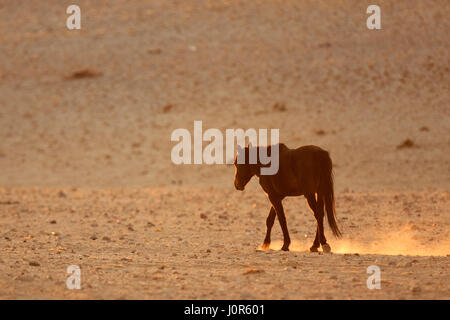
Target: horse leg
[(317, 207), (269, 223), (276, 203), (316, 243), (323, 241), (313, 205)]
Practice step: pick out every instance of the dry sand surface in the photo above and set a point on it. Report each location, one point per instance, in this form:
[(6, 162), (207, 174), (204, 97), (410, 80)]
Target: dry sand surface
[(85, 171)]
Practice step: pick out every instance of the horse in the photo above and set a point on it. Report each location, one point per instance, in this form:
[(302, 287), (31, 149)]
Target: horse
[(307, 171)]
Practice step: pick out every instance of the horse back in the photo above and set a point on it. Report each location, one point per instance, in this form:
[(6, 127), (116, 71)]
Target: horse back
[(299, 171), (308, 163)]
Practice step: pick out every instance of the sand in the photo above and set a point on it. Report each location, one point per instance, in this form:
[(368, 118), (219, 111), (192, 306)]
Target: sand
[(86, 176)]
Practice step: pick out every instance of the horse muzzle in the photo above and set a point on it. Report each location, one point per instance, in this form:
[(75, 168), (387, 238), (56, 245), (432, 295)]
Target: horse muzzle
[(239, 187)]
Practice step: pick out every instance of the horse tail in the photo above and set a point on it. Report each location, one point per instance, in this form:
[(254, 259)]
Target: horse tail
[(326, 190)]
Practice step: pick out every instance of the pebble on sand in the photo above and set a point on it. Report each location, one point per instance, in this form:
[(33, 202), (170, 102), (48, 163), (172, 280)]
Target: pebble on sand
[(61, 194), (253, 271), (416, 289), (408, 143)]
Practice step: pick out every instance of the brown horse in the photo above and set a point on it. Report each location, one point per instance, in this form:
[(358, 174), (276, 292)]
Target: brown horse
[(303, 171)]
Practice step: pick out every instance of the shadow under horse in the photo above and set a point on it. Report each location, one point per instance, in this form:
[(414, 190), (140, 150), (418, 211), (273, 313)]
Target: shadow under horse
[(304, 171)]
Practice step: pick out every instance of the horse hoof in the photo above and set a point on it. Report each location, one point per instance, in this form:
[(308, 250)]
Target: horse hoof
[(326, 248), (265, 246), (313, 249), (285, 248)]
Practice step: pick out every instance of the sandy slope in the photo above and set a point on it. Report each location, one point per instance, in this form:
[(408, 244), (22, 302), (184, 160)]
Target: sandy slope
[(309, 68)]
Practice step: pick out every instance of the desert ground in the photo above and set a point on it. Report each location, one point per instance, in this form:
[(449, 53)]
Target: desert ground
[(86, 176)]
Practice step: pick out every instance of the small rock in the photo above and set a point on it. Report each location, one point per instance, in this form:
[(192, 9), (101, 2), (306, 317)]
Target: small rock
[(324, 45), (93, 237), (53, 222), (415, 289), (253, 271), (85, 73), (34, 264), (280, 106), (105, 238), (167, 108), (155, 51), (203, 216), (320, 132), (61, 194), (408, 143)]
